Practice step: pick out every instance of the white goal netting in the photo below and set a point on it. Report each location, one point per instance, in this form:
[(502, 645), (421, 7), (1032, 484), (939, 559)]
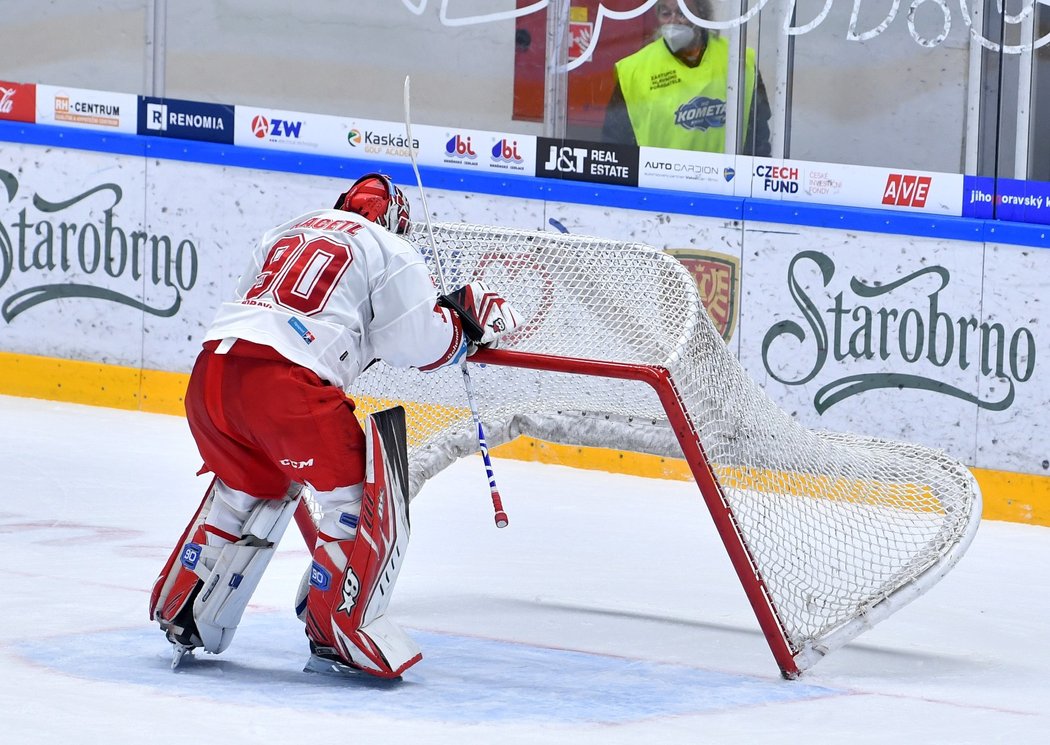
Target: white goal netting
[(841, 529)]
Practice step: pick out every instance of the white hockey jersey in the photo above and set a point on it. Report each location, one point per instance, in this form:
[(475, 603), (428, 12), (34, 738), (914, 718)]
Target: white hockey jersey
[(332, 291)]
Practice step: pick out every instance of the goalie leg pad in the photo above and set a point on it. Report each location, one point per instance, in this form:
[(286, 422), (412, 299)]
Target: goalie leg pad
[(189, 563), (340, 514), (225, 594), (206, 585), (351, 580)]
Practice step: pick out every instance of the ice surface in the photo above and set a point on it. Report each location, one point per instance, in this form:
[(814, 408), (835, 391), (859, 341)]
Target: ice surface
[(606, 613)]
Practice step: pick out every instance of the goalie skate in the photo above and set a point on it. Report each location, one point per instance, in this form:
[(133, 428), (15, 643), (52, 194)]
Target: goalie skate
[(322, 663), (179, 652), (325, 664)]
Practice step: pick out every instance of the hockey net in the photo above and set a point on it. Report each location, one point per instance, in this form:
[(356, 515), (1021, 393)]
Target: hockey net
[(828, 533)]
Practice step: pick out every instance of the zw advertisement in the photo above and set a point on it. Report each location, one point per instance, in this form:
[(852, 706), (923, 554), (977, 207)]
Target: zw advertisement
[(577, 160), (77, 107), (285, 130), (187, 120)]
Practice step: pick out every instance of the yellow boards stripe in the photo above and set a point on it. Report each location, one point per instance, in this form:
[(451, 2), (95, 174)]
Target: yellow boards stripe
[(1023, 498)]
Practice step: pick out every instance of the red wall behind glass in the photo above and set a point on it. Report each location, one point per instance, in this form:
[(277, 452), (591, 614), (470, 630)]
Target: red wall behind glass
[(591, 84)]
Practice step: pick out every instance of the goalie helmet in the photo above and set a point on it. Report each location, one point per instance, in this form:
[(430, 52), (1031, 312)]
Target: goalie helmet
[(374, 196)]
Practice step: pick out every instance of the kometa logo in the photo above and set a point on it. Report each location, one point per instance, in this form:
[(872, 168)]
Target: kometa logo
[(904, 190), (701, 113)]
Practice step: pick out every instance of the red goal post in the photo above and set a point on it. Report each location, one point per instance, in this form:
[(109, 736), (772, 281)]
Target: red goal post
[(660, 380), (828, 533)]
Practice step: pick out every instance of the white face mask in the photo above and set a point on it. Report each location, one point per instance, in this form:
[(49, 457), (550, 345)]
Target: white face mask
[(677, 35)]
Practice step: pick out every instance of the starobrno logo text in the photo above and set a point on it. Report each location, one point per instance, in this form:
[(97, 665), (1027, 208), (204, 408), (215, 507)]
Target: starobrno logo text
[(74, 246), (904, 328)]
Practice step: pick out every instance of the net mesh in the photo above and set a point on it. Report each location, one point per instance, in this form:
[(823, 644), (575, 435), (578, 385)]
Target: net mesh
[(834, 522)]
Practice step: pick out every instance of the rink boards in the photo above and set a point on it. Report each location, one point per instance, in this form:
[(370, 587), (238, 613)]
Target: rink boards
[(112, 264)]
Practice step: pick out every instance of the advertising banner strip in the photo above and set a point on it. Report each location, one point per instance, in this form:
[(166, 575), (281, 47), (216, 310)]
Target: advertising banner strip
[(478, 150), (276, 129), (685, 170), (474, 150), (509, 154), (579, 160), (88, 109), (18, 101), (988, 198), (383, 142), (922, 192), (897, 222), (186, 120)]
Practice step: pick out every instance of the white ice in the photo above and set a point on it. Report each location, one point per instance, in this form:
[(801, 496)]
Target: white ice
[(606, 613)]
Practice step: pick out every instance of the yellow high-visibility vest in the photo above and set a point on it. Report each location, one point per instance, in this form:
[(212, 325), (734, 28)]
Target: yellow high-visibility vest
[(677, 106)]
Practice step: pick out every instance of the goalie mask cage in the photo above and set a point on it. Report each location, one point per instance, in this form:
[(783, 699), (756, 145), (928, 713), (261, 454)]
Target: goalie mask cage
[(828, 533)]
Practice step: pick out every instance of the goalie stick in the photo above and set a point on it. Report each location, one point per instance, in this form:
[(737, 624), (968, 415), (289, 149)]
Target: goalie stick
[(497, 502)]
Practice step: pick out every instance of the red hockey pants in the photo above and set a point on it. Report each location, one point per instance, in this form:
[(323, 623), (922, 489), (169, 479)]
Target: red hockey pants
[(261, 422)]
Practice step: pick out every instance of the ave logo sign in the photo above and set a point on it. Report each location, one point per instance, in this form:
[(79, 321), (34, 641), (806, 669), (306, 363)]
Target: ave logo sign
[(904, 190)]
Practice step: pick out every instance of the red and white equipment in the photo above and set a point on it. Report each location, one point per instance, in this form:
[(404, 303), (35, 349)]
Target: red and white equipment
[(375, 197), (828, 533), (485, 315), (351, 581), (210, 577)]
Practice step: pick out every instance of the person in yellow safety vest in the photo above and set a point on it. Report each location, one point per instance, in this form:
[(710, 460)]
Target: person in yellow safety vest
[(672, 92)]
